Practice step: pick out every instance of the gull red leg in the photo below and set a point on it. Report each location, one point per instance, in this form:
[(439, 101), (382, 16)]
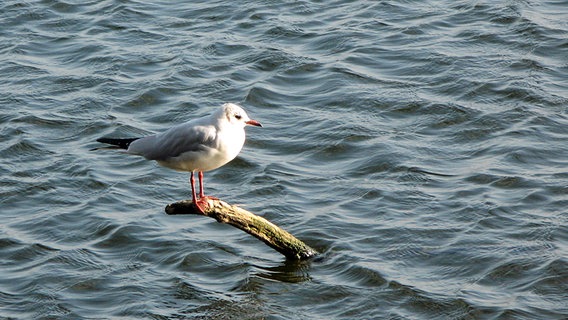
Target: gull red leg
[(201, 194), (192, 183), (193, 194)]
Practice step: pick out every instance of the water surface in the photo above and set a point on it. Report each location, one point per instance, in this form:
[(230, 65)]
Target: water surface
[(420, 146)]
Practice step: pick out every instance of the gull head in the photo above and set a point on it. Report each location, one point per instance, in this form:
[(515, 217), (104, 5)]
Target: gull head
[(235, 115)]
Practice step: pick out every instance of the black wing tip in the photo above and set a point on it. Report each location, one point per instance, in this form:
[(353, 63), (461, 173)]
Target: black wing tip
[(119, 143)]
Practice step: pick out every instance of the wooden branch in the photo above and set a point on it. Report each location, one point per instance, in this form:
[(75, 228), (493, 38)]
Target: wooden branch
[(275, 237)]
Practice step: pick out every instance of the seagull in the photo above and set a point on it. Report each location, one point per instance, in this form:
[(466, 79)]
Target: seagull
[(199, 145)]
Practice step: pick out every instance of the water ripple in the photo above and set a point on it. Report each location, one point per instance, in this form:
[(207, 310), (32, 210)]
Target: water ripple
[(419, 146)]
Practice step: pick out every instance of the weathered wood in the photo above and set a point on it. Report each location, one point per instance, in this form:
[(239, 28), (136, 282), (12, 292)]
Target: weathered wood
[(274, 236)]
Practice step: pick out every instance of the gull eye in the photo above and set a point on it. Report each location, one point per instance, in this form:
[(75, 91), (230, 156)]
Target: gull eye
[(238, 116)]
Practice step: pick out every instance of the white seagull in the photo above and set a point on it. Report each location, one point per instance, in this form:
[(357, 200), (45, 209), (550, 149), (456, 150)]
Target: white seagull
[(199, 145)]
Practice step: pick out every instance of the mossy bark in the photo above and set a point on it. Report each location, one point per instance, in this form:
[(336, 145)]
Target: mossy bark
[(269, 233)]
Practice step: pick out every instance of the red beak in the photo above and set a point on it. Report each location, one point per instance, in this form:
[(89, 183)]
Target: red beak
[(253, 123)]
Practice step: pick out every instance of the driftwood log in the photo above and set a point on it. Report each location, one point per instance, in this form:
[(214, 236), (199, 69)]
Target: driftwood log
[(272, 235)]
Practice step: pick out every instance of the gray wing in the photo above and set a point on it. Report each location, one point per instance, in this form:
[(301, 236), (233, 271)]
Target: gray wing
[(186, 137)]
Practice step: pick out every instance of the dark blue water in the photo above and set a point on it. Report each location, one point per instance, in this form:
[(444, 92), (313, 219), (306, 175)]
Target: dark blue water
[(420, 146)]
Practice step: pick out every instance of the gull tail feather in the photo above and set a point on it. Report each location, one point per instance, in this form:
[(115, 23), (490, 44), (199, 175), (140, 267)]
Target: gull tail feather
[(115, 143)]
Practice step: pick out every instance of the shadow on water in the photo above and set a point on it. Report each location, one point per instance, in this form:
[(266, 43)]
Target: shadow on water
[(290, 271)]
